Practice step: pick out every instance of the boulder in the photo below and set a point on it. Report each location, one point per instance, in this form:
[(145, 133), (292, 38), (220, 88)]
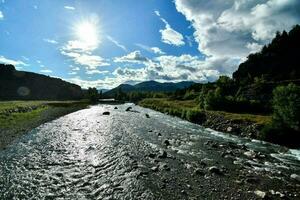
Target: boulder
[(129, 108), (166, 142), (147, 115), (106, 113)]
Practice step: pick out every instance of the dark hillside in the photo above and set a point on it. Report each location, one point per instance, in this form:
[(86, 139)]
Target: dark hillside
[(19, 85), (277, 61)]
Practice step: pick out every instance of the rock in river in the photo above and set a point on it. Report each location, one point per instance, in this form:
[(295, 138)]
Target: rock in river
[(215, 170), (128, 109), (106, 113)]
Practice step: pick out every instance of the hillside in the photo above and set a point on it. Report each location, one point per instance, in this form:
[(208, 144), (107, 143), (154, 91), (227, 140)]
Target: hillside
[(275, 62), (20, 85), (149, 86)]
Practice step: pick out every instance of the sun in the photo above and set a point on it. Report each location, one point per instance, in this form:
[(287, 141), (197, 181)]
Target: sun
[(87, 32)]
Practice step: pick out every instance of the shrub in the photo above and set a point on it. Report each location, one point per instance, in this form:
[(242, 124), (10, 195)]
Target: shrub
[(286, 106), (284, 128), (196, 116)]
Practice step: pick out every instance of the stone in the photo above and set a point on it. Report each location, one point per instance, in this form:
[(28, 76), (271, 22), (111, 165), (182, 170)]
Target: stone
[(154, 169), (116, 108), (215, 170), (198, 171), (106, 113), (163, 154), (147, 115), (159, 134), (128, 109), (165, 167), (166, 142), (152, 155), (260, 194), (229, 129), (296, 177)]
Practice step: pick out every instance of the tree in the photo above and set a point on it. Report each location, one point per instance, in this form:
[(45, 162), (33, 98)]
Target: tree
[(286, 106), (92, 94)]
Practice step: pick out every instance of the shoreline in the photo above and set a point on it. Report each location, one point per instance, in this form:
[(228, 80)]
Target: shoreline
[(19, 117), (240, 124)]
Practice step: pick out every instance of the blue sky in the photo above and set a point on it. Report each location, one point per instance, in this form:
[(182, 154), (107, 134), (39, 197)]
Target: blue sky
[(103, 43)]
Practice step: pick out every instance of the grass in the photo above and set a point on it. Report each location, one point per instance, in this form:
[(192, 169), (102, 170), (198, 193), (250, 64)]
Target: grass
[(181, 108), (17, 117)]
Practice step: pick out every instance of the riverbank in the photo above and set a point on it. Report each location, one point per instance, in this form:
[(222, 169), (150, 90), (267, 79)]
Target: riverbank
[(18, 117), (246, 125)]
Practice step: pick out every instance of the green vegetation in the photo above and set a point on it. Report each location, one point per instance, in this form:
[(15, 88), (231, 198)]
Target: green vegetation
[(17, 117), (285, 125), (189, 110)]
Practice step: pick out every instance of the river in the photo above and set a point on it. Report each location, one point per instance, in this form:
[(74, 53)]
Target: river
[(127, 155)]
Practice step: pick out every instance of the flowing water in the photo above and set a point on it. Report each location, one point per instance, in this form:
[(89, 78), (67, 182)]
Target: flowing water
[(88, 155)]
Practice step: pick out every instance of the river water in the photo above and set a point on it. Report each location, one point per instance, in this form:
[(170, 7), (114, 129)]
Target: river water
[(126, 155)]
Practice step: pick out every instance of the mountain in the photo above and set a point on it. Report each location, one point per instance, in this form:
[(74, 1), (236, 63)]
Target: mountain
[(149, 86), (20, 85), (277, 61)]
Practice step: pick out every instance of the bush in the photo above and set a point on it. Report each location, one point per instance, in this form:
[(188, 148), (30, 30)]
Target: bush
[(284, 128), (286, 106), (195, 116)]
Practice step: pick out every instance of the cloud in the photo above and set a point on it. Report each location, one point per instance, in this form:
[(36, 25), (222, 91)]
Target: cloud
[(226, 28), (25, 58), (116, 43), (1, 15), (72, 73), (91, 62), (47, 71), (133, 57), (16, 63), (169, 35), (154, 50), (69, 7), (95, 71), (35, 7), (50, 41)]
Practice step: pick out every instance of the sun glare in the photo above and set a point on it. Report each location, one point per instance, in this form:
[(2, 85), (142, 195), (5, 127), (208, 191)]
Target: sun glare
[(88, 33)]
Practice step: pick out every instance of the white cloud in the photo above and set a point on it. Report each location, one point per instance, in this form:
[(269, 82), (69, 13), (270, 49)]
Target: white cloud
[(133, 57), (169, 35), (35, 7), (230, 30), (91, 62), (154, 50), (47, 71), (69, 7), (25, 58), (116, 43), (72, 73), (50, 41), (227, 27), (95, 71), (17, 63), (1, 15)]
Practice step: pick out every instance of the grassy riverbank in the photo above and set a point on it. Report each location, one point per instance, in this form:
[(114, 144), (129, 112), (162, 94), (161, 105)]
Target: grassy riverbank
[(237, 123), (18, 117)]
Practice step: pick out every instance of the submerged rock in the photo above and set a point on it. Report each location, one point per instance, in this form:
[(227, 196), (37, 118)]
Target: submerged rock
[(296, 177), (166, 142), (260, 194), (147, 115), (163, 154), (129, 108), (215, 170), (106, 113)]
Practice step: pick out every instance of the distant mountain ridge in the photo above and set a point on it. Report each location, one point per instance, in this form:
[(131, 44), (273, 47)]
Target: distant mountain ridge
[(149, 86), (20, 85)]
